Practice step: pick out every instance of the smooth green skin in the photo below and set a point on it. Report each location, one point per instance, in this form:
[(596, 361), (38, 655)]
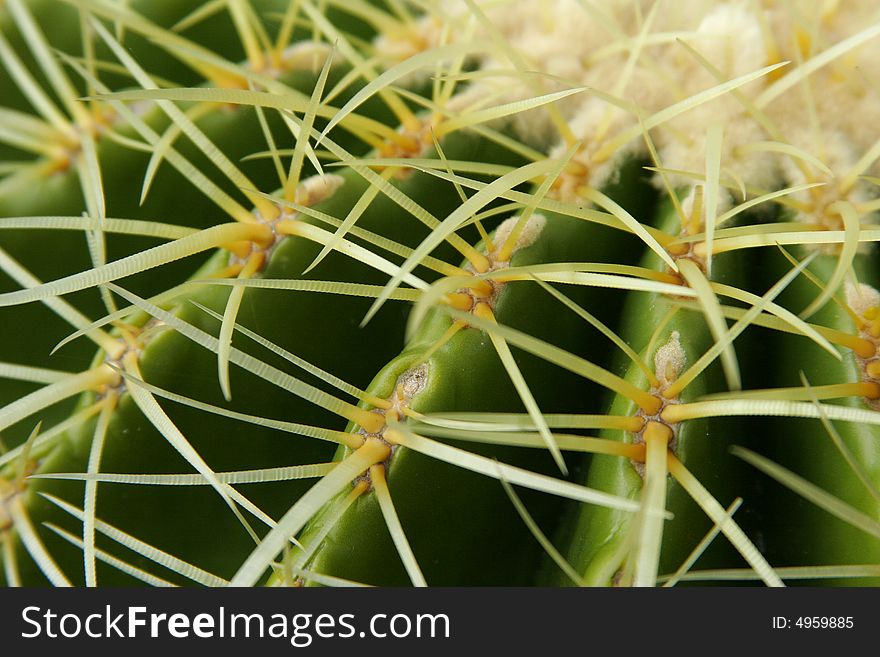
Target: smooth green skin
[(428, 494), (59, 21), (592, 537), (595, 539), (794, 531), (321, 328), (487, 544), (51, 254)]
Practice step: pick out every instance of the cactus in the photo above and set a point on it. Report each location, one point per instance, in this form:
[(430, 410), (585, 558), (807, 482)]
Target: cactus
[(438, 293)]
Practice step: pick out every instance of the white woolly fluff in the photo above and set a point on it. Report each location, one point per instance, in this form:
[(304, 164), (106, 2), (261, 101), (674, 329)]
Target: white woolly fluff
[(413, 381), (425, 33), (861, 298), (556, 39), (669, 360), (577, 42), (317, 188), (840, 154), (730, 38), (308, 55), (530, 232), (687, 203), (596, 120)]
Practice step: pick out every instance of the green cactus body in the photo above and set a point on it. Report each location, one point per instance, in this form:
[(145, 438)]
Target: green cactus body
[(358, 547), (51, 254), (298, 318), (309, 378), (601, 542), (847, 471)]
